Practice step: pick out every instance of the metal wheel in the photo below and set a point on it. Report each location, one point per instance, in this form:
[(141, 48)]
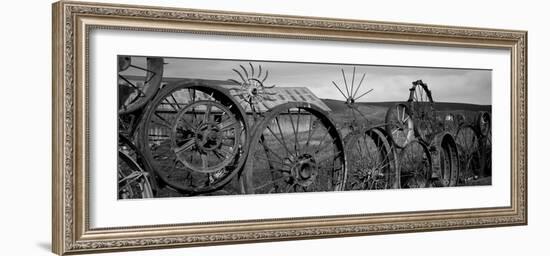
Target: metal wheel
[(371, 161), (133, 182), (252, 91), (486, 153), (452, 122), (194, 137), (352, 94), (483, 122), (399, 125), (415, 165), (137, 82), (205, 136), (296, 148), (469, 152), (422, 109), (445, 160)]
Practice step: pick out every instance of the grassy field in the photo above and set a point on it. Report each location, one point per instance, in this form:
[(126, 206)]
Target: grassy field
[(375, 112)]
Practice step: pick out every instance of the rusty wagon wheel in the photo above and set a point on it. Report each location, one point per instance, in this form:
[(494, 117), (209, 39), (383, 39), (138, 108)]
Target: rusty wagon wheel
[(470, 152), (483, 123), (137, 82), (399, 125), (133, 181), (371, 161), (194, 137), (422, 109), (415, 165), (445, 162), (296, 148)]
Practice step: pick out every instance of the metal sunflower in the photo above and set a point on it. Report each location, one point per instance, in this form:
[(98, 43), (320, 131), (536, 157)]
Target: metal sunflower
[(251, 86)]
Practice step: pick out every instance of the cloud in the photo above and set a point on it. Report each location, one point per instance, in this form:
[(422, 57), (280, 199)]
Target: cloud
[(390, 83)]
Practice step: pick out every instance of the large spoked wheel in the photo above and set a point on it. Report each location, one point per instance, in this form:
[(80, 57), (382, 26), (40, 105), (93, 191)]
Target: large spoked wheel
[(133, 182), (399, 125), (445, 160), (137, 82), (296, 148), (194, 137), (371, 161), (422, 109), (415, 165), (205, 136), (469, 152)]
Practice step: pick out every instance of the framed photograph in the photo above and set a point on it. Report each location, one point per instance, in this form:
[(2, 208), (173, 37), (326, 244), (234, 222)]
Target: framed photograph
[(179, 127)]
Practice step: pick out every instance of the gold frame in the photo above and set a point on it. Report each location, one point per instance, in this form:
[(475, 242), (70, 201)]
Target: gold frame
[(73, 20)]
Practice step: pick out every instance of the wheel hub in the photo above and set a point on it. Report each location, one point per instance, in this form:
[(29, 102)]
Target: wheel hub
[(254, 91), (304, 170), (207, 136), (350, 102)]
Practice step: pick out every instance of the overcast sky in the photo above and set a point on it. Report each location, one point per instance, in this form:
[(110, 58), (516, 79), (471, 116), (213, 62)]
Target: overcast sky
[(389, 83)]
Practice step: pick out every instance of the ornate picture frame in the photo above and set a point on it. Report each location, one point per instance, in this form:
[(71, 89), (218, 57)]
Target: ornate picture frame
[(73, 22)]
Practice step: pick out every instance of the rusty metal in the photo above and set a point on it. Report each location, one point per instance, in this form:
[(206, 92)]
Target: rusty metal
[(205, 136), (134, 94), (252, 89), (351, 98), (371, 161), (415, 165), (133, 181), (167, 141), (400, 126), (483, 125), (472, 159), (295, 148), (196, 137), (445, 162), (421, 105), (451, 161)]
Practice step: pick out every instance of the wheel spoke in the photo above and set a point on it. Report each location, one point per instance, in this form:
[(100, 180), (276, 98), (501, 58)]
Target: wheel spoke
[(157, 114), (269, 150), (346, 84), (176, 108), (280, 142), (352, 82), (272, 160), (310, 132), (295, 133), (282, 136), (204, 160), (269, 183), (322, 140), (228, 124), (185, 147), (206, 116), (298, 131)]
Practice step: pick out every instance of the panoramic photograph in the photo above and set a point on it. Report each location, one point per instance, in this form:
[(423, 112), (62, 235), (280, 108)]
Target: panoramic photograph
[(212, 127)]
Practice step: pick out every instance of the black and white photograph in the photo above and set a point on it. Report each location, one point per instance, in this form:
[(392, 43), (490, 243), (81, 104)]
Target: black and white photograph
[(212, 127)]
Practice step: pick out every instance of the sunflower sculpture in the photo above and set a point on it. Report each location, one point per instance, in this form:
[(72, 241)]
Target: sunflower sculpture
[(252, 87)]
